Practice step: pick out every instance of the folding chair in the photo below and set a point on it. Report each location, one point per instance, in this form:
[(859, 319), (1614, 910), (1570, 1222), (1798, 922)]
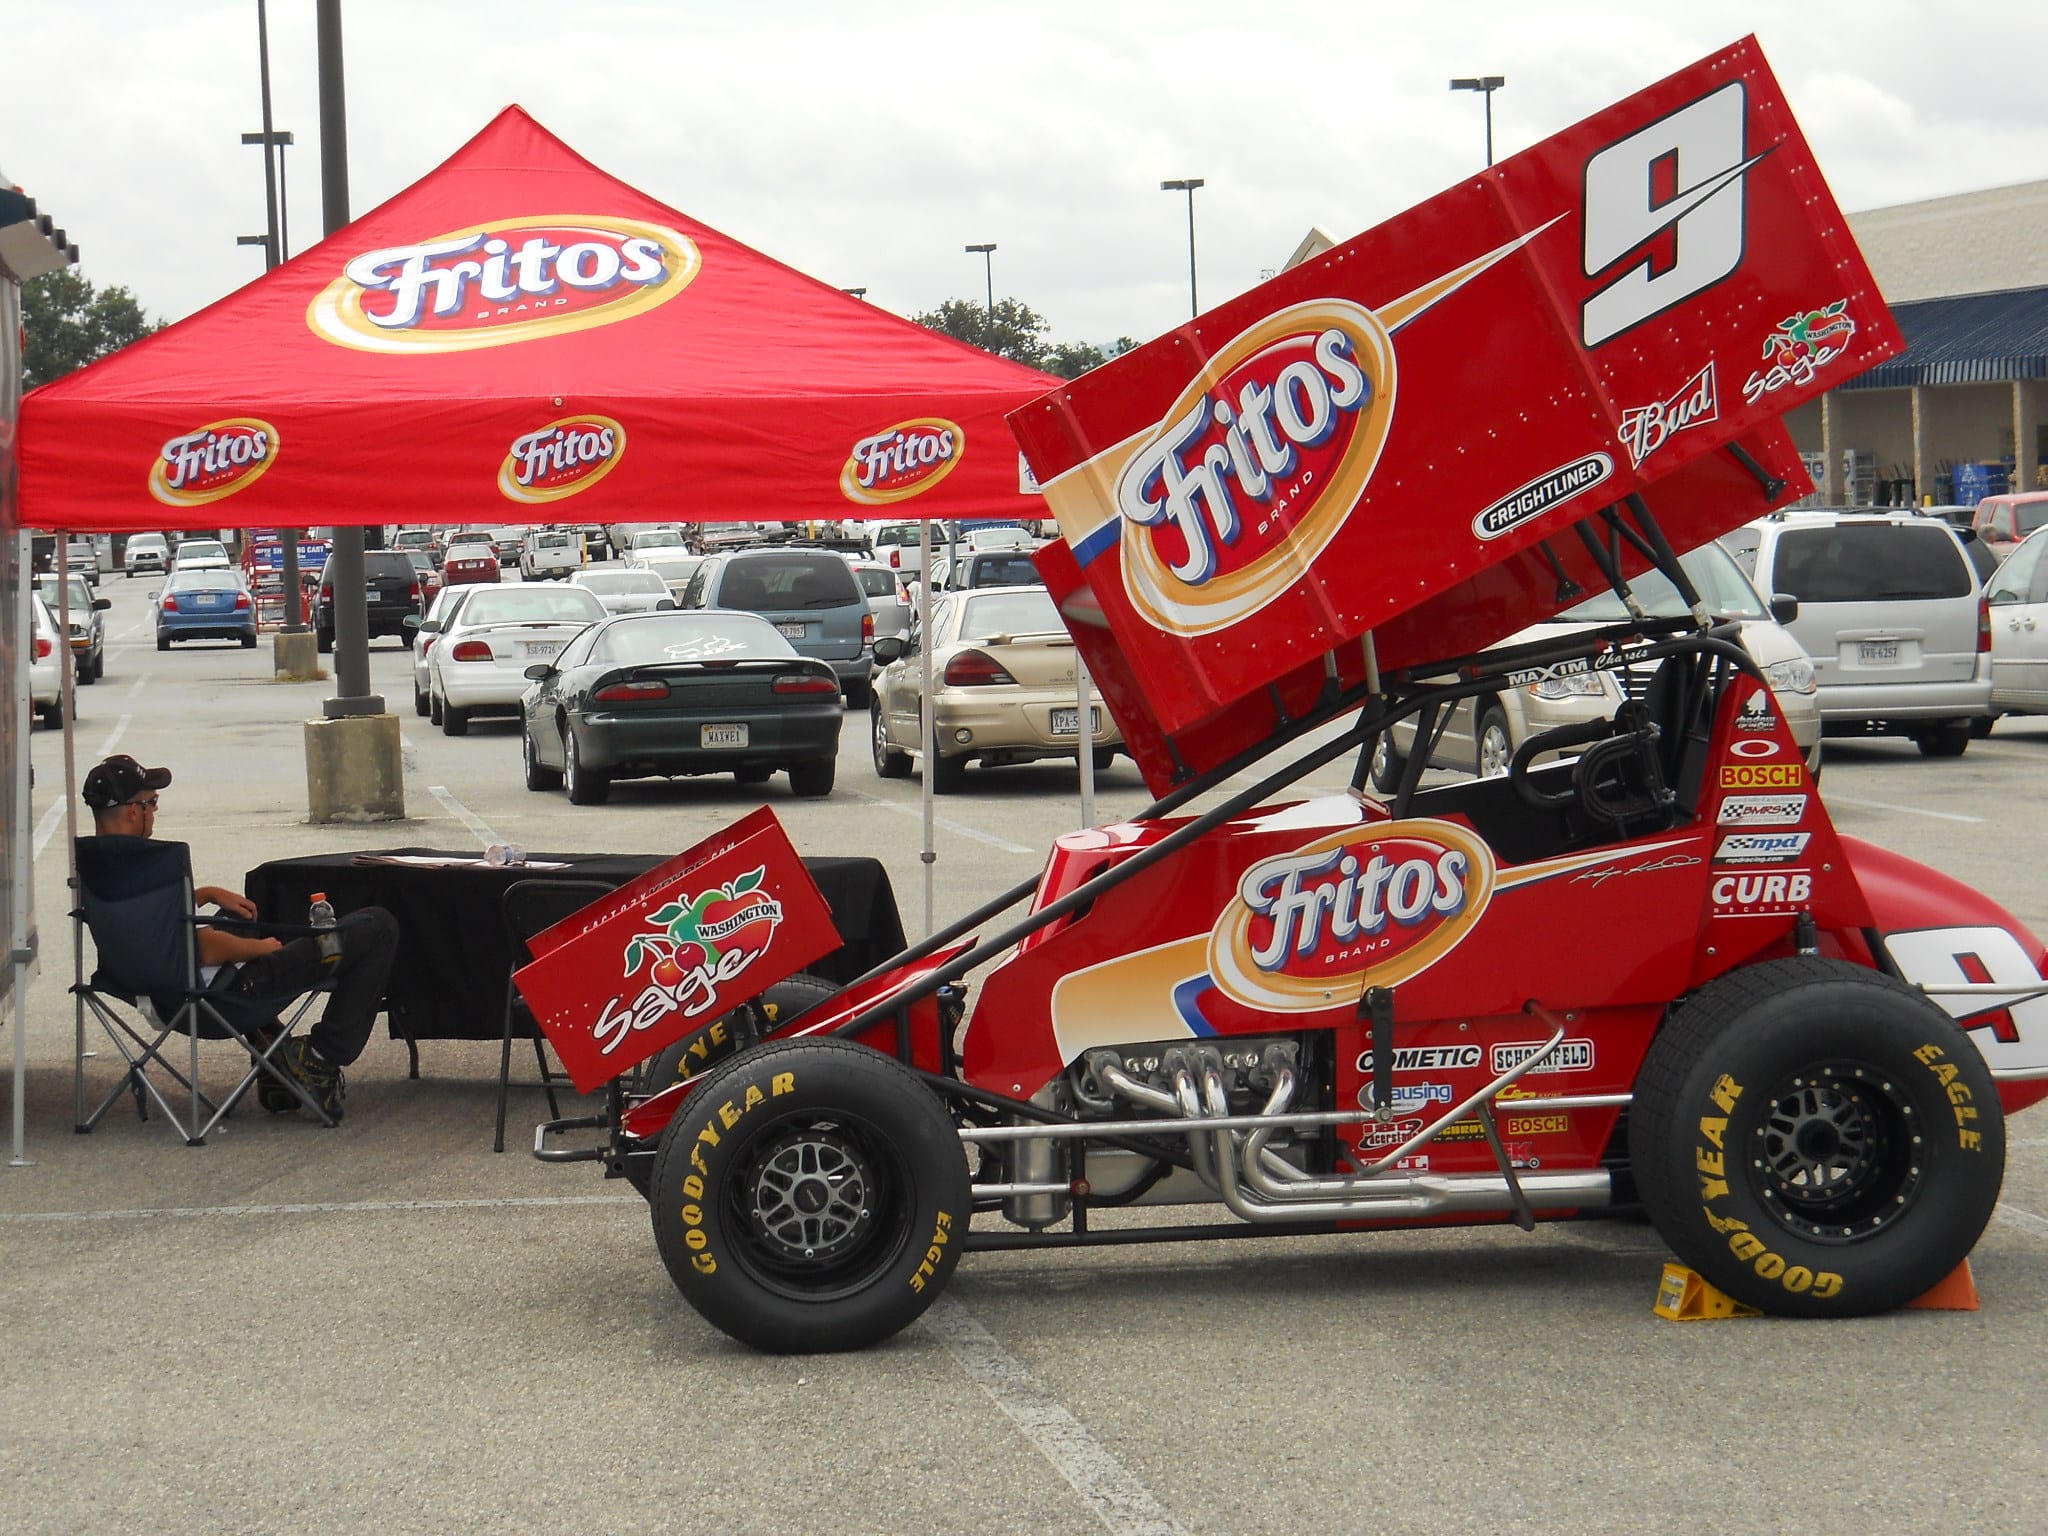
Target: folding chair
[(135, 895), (529, 907)]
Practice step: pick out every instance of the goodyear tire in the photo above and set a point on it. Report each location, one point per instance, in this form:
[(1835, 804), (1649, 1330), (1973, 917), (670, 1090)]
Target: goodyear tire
[(811, 1196), (1816, 1139), (706, 1047)]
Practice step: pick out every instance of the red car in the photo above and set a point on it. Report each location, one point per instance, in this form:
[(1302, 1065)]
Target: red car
[(470, 562), (1648, 975)]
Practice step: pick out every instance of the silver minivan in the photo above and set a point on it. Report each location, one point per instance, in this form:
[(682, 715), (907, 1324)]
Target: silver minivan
[(1892, 611), (809, 595)]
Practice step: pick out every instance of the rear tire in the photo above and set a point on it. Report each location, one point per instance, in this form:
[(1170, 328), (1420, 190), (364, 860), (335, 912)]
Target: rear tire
[(949, 774), (421, 704), (752, 775), (813, 780), (163, 642), (248, 642), (538, 777), (1816, 1139), (1951, 738), (323, 642), (53, 715), (1104, 756), (454, 722), (735, 1030), (858, 694), (889, 763), (1388, 765), (433, 708), (586, 785), (810, 1196)]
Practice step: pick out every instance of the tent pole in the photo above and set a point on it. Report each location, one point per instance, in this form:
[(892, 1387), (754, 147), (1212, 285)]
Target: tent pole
[(928, 726), (66, 680), (19, 951), (1085, 732)]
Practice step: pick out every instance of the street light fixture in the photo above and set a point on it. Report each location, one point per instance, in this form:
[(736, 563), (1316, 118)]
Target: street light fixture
[(1188, 186), (858, 293), (1486, 85), (988, 272)]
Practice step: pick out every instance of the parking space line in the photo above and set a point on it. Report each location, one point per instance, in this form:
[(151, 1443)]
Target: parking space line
[(2026, 1221), (1122, 1503), (462, 813), (47, 827), (1908, 810), (322, 1208), (959, 828)]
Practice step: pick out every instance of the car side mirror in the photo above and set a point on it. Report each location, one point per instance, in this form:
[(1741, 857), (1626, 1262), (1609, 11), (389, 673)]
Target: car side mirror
[(412, 621), (102, 604), (426, 626), (667, 603), (1784, 607), (890, 648), (539, 671)]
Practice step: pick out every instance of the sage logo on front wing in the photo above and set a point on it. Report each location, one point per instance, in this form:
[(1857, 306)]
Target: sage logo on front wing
[(905, 460), (566, 456), (511, 280), (213, 461), (1310, 929)]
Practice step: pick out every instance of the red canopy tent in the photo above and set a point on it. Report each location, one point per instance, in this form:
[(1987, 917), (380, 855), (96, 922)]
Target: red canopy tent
[(521, 337)]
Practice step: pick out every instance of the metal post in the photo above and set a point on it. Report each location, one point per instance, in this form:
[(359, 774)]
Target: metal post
[(19, 948), (1188, 186), (274, 254), (988, 273), (1486, 85), (1084, 696), (927, 725)]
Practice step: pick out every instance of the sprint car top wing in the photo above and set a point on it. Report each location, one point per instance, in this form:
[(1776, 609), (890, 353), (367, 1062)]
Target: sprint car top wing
[(1399, 437)]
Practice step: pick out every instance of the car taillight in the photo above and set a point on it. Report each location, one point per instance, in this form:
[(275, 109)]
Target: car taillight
[(867, 629), (170, 605), (632, 693), (803, 682), (1983, 627), (241, 599), (43, 647), (471, 650), (972, 669), (895, 559), (415, 591)]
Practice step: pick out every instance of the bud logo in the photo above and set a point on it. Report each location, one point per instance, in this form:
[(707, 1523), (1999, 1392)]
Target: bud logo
[(1646, 428), (692, 948), (906, 460), (562, 458), (1310, 929), (217, 460), (513, 280)]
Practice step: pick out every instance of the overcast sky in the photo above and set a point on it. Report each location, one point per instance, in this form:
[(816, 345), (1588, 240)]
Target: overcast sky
[(866, 144)]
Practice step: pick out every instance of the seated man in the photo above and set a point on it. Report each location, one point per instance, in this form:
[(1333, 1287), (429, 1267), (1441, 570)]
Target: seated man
[(123, 797)]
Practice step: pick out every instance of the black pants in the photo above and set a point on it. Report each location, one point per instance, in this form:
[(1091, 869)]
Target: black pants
[(369, 939)]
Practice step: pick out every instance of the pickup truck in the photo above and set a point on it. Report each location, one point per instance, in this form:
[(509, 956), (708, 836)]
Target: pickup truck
[(554, 552)]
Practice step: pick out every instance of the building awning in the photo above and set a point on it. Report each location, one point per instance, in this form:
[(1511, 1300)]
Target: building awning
[(1979, 338)]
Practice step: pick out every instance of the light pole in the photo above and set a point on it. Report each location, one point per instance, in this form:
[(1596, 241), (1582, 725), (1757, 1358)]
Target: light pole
[(988, 272), (1486, 85), (858, 293), (1188, 186)]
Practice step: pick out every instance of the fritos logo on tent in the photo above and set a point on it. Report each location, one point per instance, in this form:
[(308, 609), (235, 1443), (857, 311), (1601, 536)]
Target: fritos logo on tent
[(508, 281), (213, 461), (567, 455), (902, 461)]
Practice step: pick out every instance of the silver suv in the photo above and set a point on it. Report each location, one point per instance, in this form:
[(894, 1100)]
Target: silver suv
[(1891, 609), (809, 595)]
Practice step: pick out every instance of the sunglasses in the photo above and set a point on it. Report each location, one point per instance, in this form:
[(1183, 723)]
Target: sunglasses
[(148, 804)]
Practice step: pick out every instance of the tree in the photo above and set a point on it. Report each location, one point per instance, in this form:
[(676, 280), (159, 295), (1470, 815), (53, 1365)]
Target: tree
[(1014, 331), (1071, 359), (70, 324)]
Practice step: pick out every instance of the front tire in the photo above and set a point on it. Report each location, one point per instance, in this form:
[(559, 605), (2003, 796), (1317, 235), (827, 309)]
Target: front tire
[(1388, 765), (1496, 748), (1816, 1139), (811, 1196)]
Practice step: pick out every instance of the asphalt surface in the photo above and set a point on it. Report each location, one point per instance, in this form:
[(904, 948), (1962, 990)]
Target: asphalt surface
[(293, 1328)]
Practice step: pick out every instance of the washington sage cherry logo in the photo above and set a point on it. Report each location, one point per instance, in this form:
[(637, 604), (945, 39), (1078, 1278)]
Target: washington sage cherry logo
[(213, 461), (905, 460), (690, 949), (510, 280), (1312, 928), (566, 456)]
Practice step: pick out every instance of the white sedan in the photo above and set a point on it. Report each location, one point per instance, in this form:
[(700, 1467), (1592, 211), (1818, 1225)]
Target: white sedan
[(200, 555), (623, 591), (478, 665), (48, 653)]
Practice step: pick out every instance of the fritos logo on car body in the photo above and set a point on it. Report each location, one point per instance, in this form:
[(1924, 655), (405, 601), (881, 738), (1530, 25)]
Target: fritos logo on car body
[(905, 460), (1306, 929), (213, 461), (511, 280), (567, 455)]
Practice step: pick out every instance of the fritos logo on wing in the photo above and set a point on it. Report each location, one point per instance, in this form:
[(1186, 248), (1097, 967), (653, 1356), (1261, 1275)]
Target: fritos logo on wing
[(1256, 465), (511, 280), (689, 948), (905, 460), (213, 461), (567, 455), (1308, 929)]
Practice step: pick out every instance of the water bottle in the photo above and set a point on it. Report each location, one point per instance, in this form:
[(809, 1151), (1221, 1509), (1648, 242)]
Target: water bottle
[(321, 918)]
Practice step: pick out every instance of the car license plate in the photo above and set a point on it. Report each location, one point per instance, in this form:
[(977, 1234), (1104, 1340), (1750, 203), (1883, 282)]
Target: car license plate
[(791, 631), (211, 600), (1877, 652), (723, 735), (543, 647), (1067, 722)]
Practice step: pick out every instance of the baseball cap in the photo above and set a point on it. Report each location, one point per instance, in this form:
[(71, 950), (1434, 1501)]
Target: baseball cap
[(121, 778)]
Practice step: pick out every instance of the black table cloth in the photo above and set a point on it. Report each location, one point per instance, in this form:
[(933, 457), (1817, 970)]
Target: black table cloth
[(448, 980)]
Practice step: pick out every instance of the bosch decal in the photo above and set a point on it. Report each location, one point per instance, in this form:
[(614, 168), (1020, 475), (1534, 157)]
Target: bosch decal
[(1772, 895), (689, 951), (511, 280), (905, 460), (1570, 1056), (1762, 776), (561, 458), (1646, 428), (1761, 847), (1761, 811), (1799, 348), (1306, 930), (213, 461), (1541, 494)]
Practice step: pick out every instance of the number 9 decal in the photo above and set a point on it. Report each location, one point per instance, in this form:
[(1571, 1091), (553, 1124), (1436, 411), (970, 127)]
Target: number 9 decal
[(1701, 204), (2012, 1040)]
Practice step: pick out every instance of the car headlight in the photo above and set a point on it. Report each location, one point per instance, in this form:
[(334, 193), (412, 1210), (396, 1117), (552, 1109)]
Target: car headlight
[(1580, 683), (1794, 676)]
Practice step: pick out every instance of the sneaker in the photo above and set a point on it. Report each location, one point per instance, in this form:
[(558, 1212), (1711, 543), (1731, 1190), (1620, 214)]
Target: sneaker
[(320, 1078), (270, 1093)]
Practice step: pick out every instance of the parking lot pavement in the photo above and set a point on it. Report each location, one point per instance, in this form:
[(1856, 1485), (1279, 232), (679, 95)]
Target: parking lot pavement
[(293, 1327)]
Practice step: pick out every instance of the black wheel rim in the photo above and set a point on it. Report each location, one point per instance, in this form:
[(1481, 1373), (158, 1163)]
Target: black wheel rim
[(1838, 1155), (817, 1206)]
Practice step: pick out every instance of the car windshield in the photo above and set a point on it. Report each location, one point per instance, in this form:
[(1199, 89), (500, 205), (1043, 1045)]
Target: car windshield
[(547, 604), (1868, 562), (654, 638), (658, 538), (81, 594), (203, 581), (1715, 576), (2029, 515), (620, 583), (194, 549), (877, 580), (782, 582), (1010, 613)]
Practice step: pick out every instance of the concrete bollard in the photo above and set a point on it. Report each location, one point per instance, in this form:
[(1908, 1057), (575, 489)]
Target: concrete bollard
[(353, 769), (294, 657)]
